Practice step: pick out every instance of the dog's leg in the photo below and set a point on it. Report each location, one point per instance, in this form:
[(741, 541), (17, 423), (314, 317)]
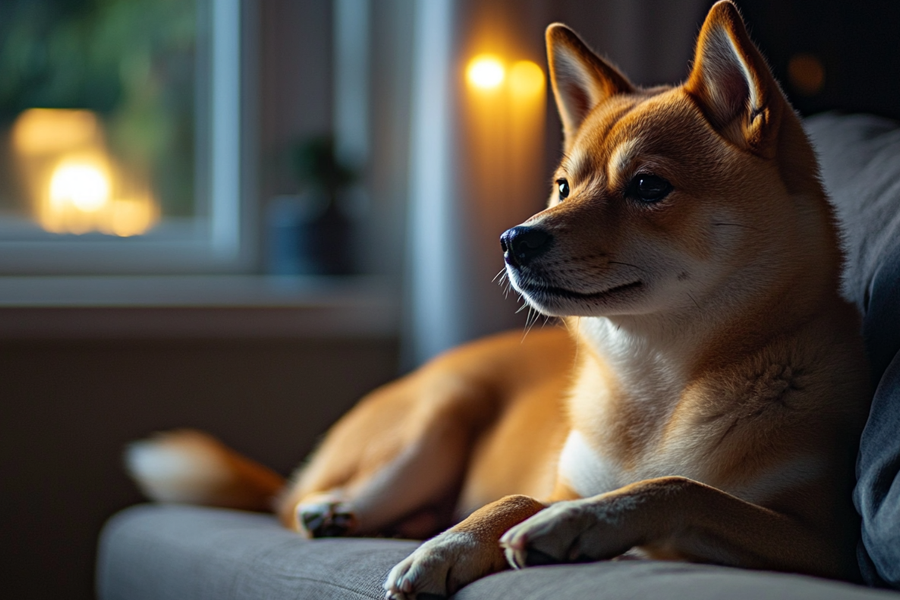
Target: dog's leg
[(460, 555), (423, 470), (400, 454), (395, 463), (672, 517)]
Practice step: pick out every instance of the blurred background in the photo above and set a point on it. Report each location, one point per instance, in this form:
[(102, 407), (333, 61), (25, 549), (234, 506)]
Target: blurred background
[(241, 215)]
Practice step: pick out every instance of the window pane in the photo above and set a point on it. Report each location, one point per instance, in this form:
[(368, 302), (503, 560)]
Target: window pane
[(97, 116)]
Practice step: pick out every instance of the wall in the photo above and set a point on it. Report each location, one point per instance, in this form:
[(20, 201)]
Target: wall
[(67, 408)]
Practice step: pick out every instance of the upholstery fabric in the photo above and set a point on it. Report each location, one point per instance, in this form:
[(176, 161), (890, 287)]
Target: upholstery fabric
[(172, 552), (860, 160)]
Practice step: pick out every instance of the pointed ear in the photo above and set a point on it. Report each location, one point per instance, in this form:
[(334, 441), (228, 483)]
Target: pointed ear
[(579, 77), (732, 83)]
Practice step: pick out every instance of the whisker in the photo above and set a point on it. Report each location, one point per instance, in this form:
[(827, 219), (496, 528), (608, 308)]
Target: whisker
[(499, 275), (535, 317), (530, 320)]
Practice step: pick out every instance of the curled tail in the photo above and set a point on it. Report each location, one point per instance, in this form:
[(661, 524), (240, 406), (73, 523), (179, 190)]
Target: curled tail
[(192, 467)]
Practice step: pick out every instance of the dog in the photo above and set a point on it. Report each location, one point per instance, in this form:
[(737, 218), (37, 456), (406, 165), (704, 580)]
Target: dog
[(703, 402)]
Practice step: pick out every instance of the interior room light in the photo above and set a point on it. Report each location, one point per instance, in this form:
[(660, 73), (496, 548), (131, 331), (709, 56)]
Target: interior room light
[(83, 185), (485, 72), (806, 73), (526, 79), (43, 131), (75, 184)]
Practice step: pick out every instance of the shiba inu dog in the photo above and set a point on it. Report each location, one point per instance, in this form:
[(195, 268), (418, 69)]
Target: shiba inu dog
[(703, 402)]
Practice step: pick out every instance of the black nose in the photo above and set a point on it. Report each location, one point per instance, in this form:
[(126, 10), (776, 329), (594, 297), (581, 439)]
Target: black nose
[(522, 244)]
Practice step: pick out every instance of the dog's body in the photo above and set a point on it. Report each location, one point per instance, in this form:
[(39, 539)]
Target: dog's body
[(704, 403)]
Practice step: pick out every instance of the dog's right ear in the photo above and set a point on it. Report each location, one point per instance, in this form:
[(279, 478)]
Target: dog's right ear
[(579, 77), (732, 84)]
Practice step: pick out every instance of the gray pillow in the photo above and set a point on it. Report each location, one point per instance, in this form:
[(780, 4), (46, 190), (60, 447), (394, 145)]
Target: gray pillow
[(860, 160)]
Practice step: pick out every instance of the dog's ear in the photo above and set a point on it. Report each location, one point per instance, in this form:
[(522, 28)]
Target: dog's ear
[(579, 77), (732, 83)]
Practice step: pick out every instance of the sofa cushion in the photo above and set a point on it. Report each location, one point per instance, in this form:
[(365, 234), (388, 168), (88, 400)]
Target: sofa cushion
[(860, 160), (189, 553)]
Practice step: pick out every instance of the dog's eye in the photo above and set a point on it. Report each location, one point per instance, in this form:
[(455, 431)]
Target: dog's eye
[(648, 188), (562, 186)]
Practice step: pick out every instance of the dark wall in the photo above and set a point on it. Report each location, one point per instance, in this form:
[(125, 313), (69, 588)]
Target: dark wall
[(855, 43), (67, 408)]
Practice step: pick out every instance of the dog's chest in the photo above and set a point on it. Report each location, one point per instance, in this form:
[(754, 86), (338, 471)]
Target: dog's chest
[(621, 406), (585, 470), (589, 470)]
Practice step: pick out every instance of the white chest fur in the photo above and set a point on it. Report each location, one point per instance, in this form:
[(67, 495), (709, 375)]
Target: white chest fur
[(647, 367), (585, 470), (630, 382)]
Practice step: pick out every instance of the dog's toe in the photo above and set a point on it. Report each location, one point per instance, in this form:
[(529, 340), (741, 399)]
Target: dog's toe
[(326, 519)]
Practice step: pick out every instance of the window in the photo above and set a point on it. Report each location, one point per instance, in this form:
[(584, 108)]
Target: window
[(120, 136)]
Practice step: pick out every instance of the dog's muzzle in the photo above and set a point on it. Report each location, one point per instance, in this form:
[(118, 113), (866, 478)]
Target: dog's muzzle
[(523, 244)]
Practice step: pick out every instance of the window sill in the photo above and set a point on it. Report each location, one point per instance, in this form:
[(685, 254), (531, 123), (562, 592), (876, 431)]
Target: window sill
[(207, 306)]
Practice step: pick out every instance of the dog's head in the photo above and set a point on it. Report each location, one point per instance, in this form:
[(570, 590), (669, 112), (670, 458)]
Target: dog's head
[(669, 197)]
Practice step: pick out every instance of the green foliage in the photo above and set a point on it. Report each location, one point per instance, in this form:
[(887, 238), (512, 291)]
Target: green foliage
[(132, 61)]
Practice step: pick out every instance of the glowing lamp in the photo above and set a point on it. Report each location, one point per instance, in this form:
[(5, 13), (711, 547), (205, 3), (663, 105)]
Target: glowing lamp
[(485, 72)]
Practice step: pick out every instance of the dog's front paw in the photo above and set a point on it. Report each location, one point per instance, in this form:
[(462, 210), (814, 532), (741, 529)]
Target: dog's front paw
[(440, 567), (573, 531)]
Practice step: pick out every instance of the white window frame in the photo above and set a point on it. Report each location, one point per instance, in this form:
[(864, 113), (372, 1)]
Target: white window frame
[(224, 241)]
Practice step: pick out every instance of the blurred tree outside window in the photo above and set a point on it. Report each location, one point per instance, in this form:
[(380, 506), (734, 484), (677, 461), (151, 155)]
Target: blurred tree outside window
[(98, 115)]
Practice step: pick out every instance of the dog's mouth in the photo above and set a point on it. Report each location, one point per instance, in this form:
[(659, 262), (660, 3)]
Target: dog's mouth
[(538, 292)]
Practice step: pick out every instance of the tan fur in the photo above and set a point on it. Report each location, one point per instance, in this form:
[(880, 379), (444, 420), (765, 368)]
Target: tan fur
[(704, 403)]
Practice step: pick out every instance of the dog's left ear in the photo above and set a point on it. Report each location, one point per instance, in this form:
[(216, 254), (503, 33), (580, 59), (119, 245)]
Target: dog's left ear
[(732, 83)]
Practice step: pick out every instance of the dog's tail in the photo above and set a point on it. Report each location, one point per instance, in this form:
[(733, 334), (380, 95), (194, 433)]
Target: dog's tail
[(192, 467)]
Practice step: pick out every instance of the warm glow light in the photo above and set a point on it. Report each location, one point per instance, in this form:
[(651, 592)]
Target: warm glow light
[(526, 79), (41, 131), (485, 72), (806, 73), (75, 185), (131, 217), (83, 185)]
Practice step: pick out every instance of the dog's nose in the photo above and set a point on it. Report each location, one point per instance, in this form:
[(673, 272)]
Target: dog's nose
[(522, 244)]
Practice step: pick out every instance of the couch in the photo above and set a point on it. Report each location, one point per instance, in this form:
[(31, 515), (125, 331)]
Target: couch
[(184, 552)]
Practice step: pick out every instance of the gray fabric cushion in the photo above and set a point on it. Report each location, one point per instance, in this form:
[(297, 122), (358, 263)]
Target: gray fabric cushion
[(859, 156), (190, 553), (171, 552), (877, 493), (860, 160)]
